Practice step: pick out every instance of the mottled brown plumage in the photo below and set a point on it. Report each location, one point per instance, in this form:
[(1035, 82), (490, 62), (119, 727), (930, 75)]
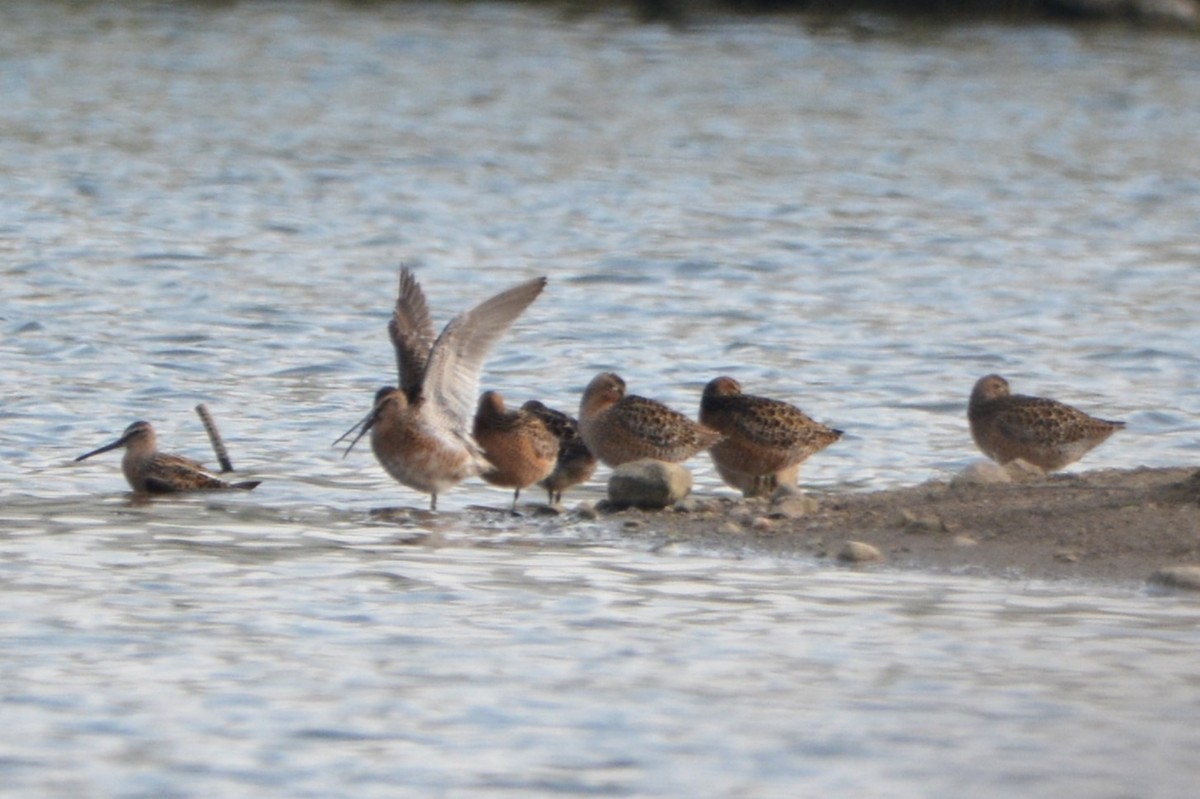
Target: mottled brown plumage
[(619, 428), (1042, 432), (521, 449), (575, 463), (152, 472), (765, 440), (421, 431)]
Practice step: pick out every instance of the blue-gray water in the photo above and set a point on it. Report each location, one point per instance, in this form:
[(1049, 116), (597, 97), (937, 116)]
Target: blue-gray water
[(210, 204)]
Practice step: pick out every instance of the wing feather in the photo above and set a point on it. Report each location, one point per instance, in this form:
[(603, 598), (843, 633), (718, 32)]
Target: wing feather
[(411, 331), (1042, 421), (451, 384)]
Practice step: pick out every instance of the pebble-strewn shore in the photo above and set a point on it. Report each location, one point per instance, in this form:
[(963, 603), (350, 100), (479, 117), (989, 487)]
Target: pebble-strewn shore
[(1106, 526)]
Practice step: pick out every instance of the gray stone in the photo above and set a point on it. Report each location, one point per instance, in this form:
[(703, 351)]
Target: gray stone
[(793, 506), (912, 522), (586, 511), (1183, 577), (763, 525), (743, 517), (648, 484), (859, 552), (1068, 556)]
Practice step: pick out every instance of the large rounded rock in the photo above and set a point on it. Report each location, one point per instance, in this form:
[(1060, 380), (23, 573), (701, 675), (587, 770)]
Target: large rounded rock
[(648, 484)]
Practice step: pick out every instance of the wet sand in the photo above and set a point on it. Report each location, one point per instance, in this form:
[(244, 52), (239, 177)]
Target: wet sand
[(1105, 526)]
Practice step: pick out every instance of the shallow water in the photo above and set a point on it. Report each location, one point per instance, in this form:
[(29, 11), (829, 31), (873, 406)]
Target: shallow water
[(210, 204), (203, 648)]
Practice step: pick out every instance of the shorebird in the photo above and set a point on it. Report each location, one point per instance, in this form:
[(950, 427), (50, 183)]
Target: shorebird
[(619, 428), (1043, 432), (518, 444), (421, 431), (575, 463), (152, 472), (765, 441)]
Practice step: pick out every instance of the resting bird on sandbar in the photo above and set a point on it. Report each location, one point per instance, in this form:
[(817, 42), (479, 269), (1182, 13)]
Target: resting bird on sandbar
[(619, 427), (1043, 432), (518, 444), (575, 462), (765, 441)]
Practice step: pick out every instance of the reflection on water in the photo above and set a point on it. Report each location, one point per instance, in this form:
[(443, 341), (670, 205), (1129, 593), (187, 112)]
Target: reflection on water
[(210, 204)]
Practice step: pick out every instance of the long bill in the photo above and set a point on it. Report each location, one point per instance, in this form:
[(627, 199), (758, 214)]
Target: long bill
[(120, 442), (366, 423)]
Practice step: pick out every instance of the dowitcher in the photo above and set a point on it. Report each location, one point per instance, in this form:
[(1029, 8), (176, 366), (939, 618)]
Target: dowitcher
[(152, 472), (421, 431), (575, 463), (765, 441), (518, 444), (619, 427), (1043, 432)]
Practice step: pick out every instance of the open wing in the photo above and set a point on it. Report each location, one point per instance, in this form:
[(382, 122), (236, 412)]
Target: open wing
[(411, 331), (451, 381)]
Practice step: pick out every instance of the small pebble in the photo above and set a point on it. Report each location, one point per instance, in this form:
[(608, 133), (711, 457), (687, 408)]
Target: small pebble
[(859, 552), (744, 518), (1021, 472), (793, 506), (912, 522)]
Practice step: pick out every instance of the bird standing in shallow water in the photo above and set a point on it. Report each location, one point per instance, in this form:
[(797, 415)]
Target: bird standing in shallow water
[(1042, 432), (619, 428), (575, 463), (521, 449), (421, 431), (765, 441), (152, 472)]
